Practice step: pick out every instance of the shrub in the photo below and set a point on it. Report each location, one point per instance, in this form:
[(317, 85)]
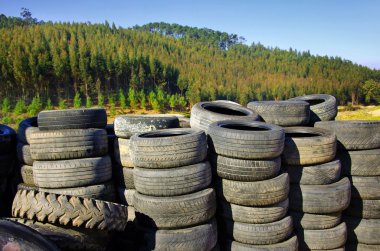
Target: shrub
[(153, 101), (88, 102), (132, 98), (6, 107), (49, 105), (6, 120), (122, 99), (100, 100), (35, 107), (172, 101), (77, 100), (62, 104), (181, 103), (142, 99), (111, 102), (20, 107)]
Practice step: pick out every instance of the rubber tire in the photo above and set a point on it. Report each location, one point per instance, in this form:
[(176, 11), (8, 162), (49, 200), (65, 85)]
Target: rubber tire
[(319, 174), (289, 245), (25, 128), (366, 188), (27, 175), (258, 193), (168, 148), (282, 113), (173, 181), (128, 125), (7, 162), (23, 154), (200, 238), (68, 144), (351, 246), (128, 178), (177, 211), (366, 231), (253, 215), (82, 118), (360, 162), (320, 199), (331, 238), (16, 236), (259, 234), (301, 149), (324, 111), (69, 238), (72, 173), (367, 209), (126, 196), (7, 139), (69, 210), (205, 113), (105, 191), (354, 135), (122, 153), (315, 221), (246, 140)]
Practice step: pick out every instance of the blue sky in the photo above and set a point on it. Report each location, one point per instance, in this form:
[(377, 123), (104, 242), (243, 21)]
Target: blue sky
[(346, 28)]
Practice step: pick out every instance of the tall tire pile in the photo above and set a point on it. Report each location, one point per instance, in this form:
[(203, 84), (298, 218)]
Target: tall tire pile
[(205, 113), (252, 194), (72, 175), (125, 126), (359, 152), (7, 163), (174, 205), (317, 194)]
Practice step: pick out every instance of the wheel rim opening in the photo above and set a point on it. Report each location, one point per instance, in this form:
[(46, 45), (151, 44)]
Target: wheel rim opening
[(301, 135), (243, 127), (1, 132), (315, 101), (162, 134), (224, 110)]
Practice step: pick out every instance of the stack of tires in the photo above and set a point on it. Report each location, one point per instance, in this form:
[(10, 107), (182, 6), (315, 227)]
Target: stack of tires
[(359, 152), (174, 205), (125, 126), (7, 162), (317, 194), (253, 195), (72, 175)]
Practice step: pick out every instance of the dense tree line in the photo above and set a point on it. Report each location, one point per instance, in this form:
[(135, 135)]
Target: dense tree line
[(59, 60)]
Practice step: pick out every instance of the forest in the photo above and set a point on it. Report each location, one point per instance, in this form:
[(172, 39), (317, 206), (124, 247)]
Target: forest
[(162, 65)]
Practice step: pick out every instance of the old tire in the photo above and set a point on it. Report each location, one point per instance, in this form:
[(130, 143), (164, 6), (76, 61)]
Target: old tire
[(366, 231), (25, 128), (72, 119), (289, 245), (23, 154), (258, 193), (205, 113), (366, 188), (282, 113), (68, 144), (69, 210), (367, 209), (323, 107), (354, 246), (360, 162), (173, 181), (355, 134), (315, 221), (246, 140), (168, 148), (128, 125), (253, 215), (319, 174), (27, 175), (7, 162), (308, 146), (177, 211), (320, 199), (126, 196), (121, 152), (128, 177), (7, 139)]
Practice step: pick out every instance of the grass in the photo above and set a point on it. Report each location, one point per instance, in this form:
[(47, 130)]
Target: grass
[(358, 113)]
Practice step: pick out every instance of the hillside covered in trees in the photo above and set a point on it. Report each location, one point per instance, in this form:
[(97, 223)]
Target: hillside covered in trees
[(161, 63)]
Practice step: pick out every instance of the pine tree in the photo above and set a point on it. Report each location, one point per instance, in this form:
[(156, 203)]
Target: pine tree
[(142, 99), (77, 100), (132, 98), (122, 100)]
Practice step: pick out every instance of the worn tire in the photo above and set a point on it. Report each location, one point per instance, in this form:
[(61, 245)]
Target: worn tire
[(16, 236), (245, 170), (201, 238), (69, 210), (128, 177), (23, 154), (68, 144), (173, 181), (126, 196), (315, 221), (205, 113), (168, 148), (128, 125), (289, 245), (177, 211), (352, 246), (366, 188), (367, 209), (7, 162), (69, 238), (320, 199), (331, 238), (360, 162), (7, 139), (366, 231), (72, 173), (355, 134), (258, 234), (27, 175), (121, 152), (72, 119), (25, 128), (308, 146), (253, 215), (282, 113), (323, 107), (246, 140), (319, 174), (258, 193)]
